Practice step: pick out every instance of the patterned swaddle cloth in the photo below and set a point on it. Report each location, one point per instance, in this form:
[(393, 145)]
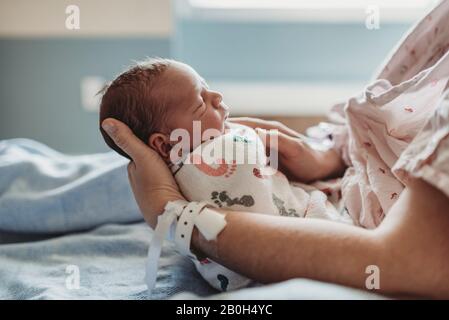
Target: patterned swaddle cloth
[(232, 171)]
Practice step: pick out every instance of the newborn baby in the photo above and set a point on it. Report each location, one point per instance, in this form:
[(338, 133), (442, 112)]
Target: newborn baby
[(221, 163)]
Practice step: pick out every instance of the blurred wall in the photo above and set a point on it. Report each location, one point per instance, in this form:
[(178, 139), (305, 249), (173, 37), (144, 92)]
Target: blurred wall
[(46, 18), (285, 51), (294, 62), (42, 63), (40, 86)]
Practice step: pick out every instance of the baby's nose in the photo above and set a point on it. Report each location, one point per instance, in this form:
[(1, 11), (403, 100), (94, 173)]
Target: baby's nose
[(224, 106), (217, 100)]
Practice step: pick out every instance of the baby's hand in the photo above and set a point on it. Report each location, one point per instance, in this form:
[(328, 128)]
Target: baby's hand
[(289, 144), (267, 125), (297, 160)]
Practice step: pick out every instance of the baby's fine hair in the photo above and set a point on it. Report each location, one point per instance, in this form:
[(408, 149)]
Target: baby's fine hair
[(131, 99)]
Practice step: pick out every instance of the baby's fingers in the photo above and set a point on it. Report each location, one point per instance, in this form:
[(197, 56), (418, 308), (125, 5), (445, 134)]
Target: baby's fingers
[(276, 141), (266, 136)]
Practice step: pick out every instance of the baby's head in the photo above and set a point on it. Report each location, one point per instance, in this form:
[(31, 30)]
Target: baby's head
[(157, 96)]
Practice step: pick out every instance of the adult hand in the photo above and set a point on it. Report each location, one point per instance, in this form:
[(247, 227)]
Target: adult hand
[(151, 181), (296, 158)]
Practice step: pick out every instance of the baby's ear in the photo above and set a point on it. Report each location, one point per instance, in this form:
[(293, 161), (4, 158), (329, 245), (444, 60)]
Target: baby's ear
[(160, 142)]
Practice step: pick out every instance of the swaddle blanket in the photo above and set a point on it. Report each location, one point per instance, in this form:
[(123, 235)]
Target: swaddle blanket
[(232, 171), (43, 191)]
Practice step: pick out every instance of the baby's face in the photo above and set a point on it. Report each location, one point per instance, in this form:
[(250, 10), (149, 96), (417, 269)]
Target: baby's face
[(190, 100)]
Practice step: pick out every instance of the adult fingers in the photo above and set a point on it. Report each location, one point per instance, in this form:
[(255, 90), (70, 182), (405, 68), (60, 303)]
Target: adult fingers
[(125, 139), (278, 141), (271, 138)]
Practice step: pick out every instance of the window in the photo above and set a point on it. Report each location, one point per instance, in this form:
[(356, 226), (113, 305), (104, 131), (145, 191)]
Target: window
[(304, 10)]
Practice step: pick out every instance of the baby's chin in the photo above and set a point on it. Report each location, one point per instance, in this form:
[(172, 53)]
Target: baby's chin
[(218, 131), (226, 127)]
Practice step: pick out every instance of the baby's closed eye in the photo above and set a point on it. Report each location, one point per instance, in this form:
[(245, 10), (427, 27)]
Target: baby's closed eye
[(201, 107)]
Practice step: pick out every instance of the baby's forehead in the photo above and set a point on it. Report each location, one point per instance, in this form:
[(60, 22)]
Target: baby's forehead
[(179, 73), (181, 83)]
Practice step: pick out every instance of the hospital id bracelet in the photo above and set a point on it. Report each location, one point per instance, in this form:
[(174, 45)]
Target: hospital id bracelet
[(166, 222), (208, 222), (185, 225), (177, 207), (179, 218)]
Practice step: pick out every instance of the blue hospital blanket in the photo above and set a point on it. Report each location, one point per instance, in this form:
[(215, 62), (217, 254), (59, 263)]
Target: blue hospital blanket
[(67, 216), (44, 191), (59, 212), (109, 263)]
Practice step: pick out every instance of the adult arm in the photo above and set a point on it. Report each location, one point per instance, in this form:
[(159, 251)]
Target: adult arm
[(410, 247)]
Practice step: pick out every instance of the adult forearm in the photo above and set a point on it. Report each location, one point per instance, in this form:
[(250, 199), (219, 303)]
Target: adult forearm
[(271, 249), (410, 248)]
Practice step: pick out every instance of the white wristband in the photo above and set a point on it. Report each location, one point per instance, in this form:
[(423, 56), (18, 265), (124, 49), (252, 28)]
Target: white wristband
[(185, 225), (210, 223), (165, 224), (179, 219)]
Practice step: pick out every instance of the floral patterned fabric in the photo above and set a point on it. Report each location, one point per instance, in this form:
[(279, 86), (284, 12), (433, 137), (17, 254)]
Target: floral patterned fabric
[(398, 125)]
